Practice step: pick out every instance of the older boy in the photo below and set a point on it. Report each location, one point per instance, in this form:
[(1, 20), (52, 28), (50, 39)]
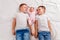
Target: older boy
[(20, 24)]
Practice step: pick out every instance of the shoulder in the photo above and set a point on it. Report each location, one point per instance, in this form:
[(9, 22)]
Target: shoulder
[(37, 17), (47, 16), (26, 14), (15, 15)]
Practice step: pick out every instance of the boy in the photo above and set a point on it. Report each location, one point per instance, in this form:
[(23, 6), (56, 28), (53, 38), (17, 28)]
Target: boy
[(42, 24), (20, 24)]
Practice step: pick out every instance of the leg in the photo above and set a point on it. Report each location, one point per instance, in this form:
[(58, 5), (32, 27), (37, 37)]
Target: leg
[(40, 36), (26, 35), (18, 35), (48, 36)]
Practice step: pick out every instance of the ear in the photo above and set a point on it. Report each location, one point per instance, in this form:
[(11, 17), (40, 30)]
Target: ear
[(44, 11)]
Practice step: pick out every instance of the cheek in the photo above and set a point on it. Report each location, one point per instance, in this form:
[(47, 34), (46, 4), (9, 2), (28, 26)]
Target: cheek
[(24, 9), (39, 11)]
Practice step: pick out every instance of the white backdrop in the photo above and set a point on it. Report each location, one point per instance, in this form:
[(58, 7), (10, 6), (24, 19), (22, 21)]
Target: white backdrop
[(9, 7)]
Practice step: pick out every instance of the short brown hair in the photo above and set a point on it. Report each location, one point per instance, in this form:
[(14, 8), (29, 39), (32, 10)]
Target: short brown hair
[(42, 7), (21, 5)]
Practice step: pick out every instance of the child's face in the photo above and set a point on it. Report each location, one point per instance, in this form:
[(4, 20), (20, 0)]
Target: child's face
[(31, 9), (24, 8), (40, 10)]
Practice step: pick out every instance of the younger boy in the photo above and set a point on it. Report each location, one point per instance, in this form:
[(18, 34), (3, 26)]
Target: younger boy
[(43, 26)]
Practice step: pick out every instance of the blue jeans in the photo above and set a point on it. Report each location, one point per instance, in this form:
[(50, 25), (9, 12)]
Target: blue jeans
[(44, 35), (23, 34)]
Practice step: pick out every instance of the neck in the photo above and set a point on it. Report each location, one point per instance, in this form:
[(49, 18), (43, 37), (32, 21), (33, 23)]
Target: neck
[(22, 11)]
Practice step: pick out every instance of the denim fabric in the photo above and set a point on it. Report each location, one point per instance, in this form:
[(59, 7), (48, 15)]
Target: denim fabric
[(44, 35), (23, 34)]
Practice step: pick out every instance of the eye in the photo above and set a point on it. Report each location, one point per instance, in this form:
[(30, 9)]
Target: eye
[(39, 9)]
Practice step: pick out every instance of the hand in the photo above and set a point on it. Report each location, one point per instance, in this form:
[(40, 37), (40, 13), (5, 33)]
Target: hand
[(51, 32), (13, 32), (32, 33), (36, 34)]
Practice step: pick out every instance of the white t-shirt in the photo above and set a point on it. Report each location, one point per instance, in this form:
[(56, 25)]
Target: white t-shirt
[(21, 20), (42, 22)]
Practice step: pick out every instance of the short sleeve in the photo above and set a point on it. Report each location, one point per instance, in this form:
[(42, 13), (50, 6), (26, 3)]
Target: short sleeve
[(36, 18), (27, 16), (15, 15), (48, 17)]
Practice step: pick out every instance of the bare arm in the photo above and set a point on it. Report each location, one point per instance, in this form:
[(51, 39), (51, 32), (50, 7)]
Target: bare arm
[(13, 26), (49, 25), (29, 26), (36, 28)]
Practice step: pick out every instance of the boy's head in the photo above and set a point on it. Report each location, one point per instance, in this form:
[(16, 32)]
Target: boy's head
[(23, 7), (41, 9), (31, 9)]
